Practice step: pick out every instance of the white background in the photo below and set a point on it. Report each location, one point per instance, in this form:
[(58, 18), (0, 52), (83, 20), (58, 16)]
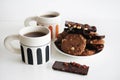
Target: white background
[(104, 14)]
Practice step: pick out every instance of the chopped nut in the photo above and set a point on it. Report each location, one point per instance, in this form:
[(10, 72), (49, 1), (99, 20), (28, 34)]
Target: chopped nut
[(91, 42), (63, 40), (70, 39), (78, 27), (90, 36), (69, 25), (74, 26), (85, 28), (72, 48)]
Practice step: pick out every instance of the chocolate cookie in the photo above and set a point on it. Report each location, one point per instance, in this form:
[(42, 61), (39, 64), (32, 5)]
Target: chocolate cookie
[(73, 44)]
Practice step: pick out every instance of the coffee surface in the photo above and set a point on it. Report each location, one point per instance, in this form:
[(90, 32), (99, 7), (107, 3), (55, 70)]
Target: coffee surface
[(49, 16), (34, 34)]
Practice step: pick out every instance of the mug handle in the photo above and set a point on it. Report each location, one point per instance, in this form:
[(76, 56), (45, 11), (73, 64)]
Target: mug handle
[(28, 20), (9, 46)]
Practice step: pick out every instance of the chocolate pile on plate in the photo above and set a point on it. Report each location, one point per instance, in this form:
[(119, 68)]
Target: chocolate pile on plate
[(80, 39)]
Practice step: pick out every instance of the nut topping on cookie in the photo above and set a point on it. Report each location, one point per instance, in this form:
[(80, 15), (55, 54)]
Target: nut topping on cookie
[(78, 27), (72, 48), (74, 26)]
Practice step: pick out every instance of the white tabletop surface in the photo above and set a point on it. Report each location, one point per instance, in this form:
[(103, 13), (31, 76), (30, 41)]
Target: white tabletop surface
[(104, 14)]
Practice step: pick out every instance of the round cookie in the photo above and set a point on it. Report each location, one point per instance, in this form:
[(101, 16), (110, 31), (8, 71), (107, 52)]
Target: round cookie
[(73, 44)]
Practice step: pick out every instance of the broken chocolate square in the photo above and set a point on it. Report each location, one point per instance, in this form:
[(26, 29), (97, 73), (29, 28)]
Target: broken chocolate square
[(71, 67)]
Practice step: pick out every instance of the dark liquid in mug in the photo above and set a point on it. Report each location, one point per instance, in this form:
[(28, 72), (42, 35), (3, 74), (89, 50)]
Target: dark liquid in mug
[(49, 16), (35, 34)]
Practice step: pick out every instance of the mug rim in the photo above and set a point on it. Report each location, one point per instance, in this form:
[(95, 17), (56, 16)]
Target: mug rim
[(34, 41), (57, 14), (33, 27)]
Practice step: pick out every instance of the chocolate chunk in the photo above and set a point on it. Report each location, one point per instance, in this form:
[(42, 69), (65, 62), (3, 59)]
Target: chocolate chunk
[(84, 27), (72, 24), (98, 37), (71, 67), (96, 47), (93, 28)]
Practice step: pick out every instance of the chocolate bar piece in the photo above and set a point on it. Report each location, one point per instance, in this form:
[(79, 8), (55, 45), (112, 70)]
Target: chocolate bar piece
[(96, 47), (84, 27), (71, 67)]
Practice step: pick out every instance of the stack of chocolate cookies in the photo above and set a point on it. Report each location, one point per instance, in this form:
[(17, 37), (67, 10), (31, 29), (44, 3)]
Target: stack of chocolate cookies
[(80, 39)]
